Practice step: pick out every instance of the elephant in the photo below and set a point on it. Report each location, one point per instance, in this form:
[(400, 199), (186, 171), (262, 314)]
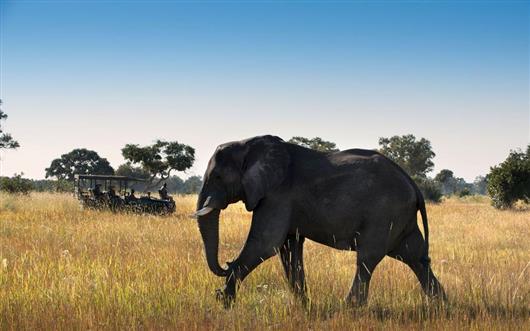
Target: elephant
[(349, 200)]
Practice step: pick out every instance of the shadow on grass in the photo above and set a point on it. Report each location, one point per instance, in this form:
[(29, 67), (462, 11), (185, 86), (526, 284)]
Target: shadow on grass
[(420, 313)]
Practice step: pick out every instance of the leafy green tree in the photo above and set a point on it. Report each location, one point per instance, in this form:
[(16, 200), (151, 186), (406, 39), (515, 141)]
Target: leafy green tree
[(447, 181), (161, 158), (414, 156), (316, 143), (6, 140), (444, 175), (79, 161), (510, 180)]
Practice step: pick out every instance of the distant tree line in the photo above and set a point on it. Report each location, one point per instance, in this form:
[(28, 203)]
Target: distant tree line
[(155, 164), (20, 185), (151, 165)]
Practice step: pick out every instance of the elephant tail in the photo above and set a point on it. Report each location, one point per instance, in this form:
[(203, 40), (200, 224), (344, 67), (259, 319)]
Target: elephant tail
[(425, 259)]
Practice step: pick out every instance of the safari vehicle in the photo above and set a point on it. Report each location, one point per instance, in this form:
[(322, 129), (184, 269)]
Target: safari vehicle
[(110, 192)]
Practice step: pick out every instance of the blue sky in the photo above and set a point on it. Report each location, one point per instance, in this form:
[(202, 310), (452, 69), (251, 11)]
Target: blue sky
[(103, 74)]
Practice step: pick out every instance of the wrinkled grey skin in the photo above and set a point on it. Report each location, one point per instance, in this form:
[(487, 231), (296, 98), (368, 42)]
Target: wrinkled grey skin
[(350, 200)]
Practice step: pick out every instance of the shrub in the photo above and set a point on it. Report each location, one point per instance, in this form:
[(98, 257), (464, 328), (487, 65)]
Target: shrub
[(510, 180), (47, 185), (16, 184)]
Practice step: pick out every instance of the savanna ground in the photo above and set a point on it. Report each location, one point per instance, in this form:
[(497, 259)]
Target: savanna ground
[(66, 268)]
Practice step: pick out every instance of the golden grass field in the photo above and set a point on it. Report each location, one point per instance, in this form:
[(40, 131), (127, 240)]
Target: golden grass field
[(66, 268)]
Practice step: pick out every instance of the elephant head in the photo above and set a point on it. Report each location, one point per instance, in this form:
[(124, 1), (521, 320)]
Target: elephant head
[(245, 170)]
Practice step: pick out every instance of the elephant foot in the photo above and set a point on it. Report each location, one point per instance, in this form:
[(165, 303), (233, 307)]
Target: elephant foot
[(226, 299)]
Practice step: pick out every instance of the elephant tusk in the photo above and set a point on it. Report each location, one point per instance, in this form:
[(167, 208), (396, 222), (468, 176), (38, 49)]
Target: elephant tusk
[(202, 212)]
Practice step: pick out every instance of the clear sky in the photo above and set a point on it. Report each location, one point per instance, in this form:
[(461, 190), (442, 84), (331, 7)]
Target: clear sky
[(100, 74)]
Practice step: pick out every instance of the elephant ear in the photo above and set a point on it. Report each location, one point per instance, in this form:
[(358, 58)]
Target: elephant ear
[(264, 168)]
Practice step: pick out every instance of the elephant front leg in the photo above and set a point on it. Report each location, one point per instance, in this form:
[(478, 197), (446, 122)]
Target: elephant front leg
[(267, 234), (252, 255), (291, 254)]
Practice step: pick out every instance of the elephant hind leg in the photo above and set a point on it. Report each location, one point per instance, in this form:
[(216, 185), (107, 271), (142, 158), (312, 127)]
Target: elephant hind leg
[(292, 257), (370, 247), (366, 264), (410, 251)]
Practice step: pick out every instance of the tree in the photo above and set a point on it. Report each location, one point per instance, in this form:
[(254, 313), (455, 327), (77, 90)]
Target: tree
[(316, 143), (444, 175), (6, 140), (510, 180), (79, 161), (414, 156), (480, 185), (447, 181), (449, 184), (161, 158)]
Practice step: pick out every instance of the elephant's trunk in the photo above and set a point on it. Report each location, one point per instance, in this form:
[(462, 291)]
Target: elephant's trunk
[(209, 228)]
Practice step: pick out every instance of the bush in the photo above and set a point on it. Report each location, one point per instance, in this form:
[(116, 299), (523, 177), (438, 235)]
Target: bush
[(430, 188), (16, 185), (63, 186), (47, 185), (510, 180)]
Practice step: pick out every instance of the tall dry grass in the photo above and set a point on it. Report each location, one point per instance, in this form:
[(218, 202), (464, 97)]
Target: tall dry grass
[(66, 268)]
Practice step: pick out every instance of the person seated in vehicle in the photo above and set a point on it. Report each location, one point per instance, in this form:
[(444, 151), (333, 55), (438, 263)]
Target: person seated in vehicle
[(131, 196), (111, 192), (97, 191), (163, 192), (113, 198)]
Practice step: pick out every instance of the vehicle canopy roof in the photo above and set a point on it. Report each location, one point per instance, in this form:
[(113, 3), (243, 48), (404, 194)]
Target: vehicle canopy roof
[(107, 177)]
